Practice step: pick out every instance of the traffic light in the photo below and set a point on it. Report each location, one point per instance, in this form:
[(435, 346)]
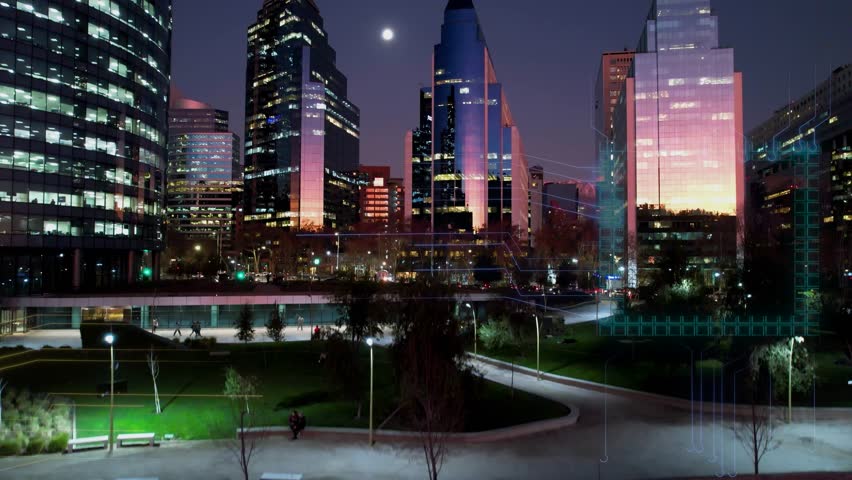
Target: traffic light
[(147, 272), (317, 261), (240, 276)]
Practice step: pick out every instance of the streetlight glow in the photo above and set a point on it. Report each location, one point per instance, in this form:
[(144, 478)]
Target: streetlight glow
[(370, 342), (109, 338), (197, 248)]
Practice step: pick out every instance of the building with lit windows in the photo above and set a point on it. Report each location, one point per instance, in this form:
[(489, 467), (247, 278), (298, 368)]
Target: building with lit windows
[(84, 92), (375, 201), (677, 148), (819, 124), (417, 178), (480, 176), (204, 175), (302, 132), (536, 204), (611, 78)]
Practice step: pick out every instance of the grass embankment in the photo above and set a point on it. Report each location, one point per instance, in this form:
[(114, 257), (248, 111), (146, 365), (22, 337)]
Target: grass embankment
[(191, 383), (661, 365)]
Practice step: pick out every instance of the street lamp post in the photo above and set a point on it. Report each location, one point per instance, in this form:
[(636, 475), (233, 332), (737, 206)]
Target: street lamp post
[(537, 348), (337, 265), (370, 342), (790, 378), (110, 339), (474, 325)]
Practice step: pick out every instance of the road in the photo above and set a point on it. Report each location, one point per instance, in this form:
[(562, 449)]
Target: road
[(615, 438)]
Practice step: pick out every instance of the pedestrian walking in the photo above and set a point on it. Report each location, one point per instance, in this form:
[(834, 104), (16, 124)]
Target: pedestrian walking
[(154, 325), (294, 424), (198, 328), (177, 329), (316, 333), (300, 322)]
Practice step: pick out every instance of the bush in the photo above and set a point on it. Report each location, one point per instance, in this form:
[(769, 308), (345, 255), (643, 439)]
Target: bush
[(58, 443), (10, 446), (35, 446), (495, 335)]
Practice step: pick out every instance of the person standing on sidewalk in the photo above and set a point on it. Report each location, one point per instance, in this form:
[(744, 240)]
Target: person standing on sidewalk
[(177, 329), (154, 325)]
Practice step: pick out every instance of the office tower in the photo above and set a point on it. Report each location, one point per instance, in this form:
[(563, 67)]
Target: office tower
[(375, 195), (802, 158), (479, 173), (536, 203), (417, 179), (677, 150), (611, 78), (83, 122), (396, 205), (302, 134), (574, 199), (204, 174)]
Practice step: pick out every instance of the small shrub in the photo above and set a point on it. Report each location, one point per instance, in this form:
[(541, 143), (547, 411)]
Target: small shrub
[(58, 443), (495, 335), (35, 446), (10, 446)]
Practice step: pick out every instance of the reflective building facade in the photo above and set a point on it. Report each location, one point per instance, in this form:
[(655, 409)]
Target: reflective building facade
[(418, 168), (84, 91), (302, 133), (678, 144), (479, 172), (204, 173)]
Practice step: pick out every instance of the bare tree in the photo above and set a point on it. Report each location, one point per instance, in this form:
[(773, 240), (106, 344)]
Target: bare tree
[(154, 368), (756, 434), (247, 442)]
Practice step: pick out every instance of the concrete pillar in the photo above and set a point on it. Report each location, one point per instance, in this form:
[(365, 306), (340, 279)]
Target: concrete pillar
[(282, 313), (145, 316), (214, 316), (131, 267), (76, 265), (76, 317)]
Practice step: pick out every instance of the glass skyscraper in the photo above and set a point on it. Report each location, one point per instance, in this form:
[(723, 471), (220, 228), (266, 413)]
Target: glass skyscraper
[(84, 91), (302, 133), (479, 172), (677, 139), (204, 173), (418, 168)]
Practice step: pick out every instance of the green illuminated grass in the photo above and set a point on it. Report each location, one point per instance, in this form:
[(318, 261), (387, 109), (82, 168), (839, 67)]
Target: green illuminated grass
[(288, 374)]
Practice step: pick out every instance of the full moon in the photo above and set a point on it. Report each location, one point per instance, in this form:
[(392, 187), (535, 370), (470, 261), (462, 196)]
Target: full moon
[(387, 34)]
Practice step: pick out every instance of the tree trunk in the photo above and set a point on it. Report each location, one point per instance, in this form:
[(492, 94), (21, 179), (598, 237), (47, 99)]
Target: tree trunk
[(157, 398), (755, 444)]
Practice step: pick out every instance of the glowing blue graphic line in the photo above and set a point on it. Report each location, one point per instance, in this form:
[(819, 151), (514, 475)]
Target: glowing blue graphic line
[(605, 458), (813, 442), (714, 458), (693, 448), (733, 472), (701, 404), (564, 164)]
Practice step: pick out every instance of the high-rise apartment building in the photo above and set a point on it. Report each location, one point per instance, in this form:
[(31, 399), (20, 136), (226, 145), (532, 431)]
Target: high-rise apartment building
[(676, 153), (480, 176), (84, 92), (204, 175), (302, 132)]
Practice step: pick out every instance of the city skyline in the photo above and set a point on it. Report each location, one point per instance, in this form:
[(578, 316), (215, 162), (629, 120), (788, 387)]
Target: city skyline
[(566, 72)]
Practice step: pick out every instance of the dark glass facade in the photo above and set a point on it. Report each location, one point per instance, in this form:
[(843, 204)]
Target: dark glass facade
[(418, 167), (479, 171), (302, 133), (84, 91)]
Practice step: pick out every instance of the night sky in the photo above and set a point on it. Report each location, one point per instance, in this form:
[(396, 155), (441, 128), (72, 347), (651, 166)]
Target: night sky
[(546, 53)]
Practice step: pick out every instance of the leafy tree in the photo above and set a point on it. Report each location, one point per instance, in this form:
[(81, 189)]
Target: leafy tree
[(346, 371), (776, 358), (485, 269), (495, 335), (360, 309), (244, 325), (275, 326)]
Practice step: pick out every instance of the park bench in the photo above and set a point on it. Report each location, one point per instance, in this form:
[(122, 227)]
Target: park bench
[(137, 438), (281, 476), (87, 442)]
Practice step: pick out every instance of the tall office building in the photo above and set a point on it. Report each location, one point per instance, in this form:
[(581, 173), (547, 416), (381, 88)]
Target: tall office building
[(480, 176), (536, 204), (800, 176), (302, 133), (611, 78), (418, 168), (83, 122), (204, 175), (677, 147)]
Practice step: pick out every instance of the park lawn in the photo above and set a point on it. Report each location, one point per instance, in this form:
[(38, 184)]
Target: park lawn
[(661, 365), (191, 382)]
